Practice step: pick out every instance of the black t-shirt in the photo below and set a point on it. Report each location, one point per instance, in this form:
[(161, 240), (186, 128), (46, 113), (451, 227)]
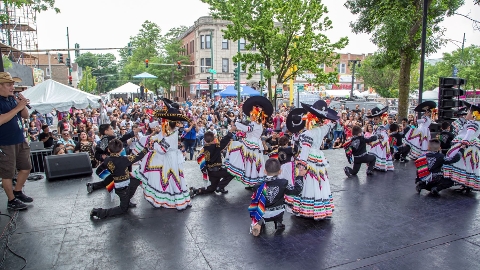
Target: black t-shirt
[(11, 132), (48, 143)]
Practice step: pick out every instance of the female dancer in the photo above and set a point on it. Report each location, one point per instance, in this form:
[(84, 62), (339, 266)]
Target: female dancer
[(316, 200), (418, 138), (381, 147), (466, 172), (245, 157), (162, 180)]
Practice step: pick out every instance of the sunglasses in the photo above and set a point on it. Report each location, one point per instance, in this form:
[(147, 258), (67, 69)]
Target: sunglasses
[(65, 134)]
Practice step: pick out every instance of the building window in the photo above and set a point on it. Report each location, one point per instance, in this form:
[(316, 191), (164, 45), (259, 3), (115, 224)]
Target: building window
[(225, 65), (202, 42), (192, 68), (186, 50), (224, 44), (242, 44), (205, 64), (342, 68), (208, 42)]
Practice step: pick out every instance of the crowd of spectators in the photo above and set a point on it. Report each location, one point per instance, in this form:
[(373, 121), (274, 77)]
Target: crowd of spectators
[(77, 129)]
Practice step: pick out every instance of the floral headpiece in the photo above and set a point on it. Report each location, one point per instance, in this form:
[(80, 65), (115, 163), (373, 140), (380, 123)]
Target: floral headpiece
[(310, 120), (476, 115), (258, 115)]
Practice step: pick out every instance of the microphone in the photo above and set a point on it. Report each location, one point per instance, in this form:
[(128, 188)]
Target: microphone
[(28, 106)]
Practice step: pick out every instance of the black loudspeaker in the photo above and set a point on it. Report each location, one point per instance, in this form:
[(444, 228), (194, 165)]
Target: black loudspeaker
[(68, 165), (448, 97)]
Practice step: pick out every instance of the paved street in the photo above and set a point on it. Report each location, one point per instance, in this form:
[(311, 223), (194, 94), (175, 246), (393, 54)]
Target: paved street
[(379, 222)]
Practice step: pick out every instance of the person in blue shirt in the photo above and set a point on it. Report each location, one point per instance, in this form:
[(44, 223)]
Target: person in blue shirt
[(190, 137), (14, 150)]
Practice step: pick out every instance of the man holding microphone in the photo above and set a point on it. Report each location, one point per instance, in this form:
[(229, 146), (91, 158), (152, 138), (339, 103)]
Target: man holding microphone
[(14, 150)]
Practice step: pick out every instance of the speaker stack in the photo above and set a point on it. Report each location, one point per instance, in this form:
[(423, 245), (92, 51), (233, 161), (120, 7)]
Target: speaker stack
[(449, 102)]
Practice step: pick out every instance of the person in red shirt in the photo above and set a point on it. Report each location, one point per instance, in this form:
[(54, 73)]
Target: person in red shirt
[(278, 121)]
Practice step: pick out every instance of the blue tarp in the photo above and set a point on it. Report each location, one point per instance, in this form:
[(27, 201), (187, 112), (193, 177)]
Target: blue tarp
[(228, 92), (231, 92), (248, 91)]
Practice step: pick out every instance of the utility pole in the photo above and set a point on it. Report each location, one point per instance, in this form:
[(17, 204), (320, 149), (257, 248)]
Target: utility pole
[(1, 61), (261, 80), (69, 59), (212, 93), (354, 63), (238, 74)]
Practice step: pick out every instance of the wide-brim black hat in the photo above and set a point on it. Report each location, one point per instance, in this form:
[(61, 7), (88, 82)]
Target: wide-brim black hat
[(426, 106), (320, 109), (294, 121), (377, 112), (471, 107), (462, 111), (258, 101), (169, 103), (171, 114)]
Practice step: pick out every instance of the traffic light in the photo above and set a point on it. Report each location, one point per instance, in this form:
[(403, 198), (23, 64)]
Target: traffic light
[(60, 58), (208, 80), (68, 62), (77, 50), (210, 87), (129, 51), (235, 74), (179, 65), (146, 63), (448, 97), (70, 80)]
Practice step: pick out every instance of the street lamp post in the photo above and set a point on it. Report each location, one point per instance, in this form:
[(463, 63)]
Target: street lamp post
[(354, 64)]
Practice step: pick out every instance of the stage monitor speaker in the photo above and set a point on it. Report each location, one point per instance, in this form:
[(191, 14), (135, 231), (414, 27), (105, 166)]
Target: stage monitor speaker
[(68, 165)]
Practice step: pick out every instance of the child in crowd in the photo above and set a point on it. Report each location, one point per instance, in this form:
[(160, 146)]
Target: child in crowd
[(397, 146), (356, 150), (125, 185), (429, 169), (445, 137), (268, 201)]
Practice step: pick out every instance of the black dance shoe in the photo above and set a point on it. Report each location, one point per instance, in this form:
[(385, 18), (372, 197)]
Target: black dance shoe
[(221, 190), (347, 171), (279, 225)]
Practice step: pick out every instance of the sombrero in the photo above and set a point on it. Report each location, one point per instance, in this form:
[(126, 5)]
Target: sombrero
[(376, 112), (258, 101), (171, 103), (171, 114), (320, 109), (471, 107), (294, 120), (425, 106)]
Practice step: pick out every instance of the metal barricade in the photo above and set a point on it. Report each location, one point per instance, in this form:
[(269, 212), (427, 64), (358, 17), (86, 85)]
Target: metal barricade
[(37, 157)]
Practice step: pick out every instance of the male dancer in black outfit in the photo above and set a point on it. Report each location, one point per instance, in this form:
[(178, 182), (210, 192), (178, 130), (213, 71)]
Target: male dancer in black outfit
[(358, 144), (397, 146), (213, 157), (101, 152)]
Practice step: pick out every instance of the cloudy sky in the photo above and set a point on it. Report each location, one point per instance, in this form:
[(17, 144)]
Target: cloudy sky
[(110, 23)]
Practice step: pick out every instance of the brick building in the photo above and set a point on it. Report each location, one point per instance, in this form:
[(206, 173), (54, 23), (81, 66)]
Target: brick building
[(58, 72), (206, 36)]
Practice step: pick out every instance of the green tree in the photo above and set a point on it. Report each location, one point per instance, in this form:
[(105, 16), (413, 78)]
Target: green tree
[(163, 52), (104, 66), (287, 36), (37, 5), (88, 83), (396, 28), (384, 79)]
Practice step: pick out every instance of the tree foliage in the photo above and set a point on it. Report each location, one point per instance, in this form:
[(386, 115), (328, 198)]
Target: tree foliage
[(37, 5), (163, 52), (103, 66), (384, 77), (396, 28), (467, 63), (287, 36), (88, 83)]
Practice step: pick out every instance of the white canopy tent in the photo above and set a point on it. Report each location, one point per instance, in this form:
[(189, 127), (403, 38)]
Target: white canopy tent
[(128, 89), (51, 95)]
